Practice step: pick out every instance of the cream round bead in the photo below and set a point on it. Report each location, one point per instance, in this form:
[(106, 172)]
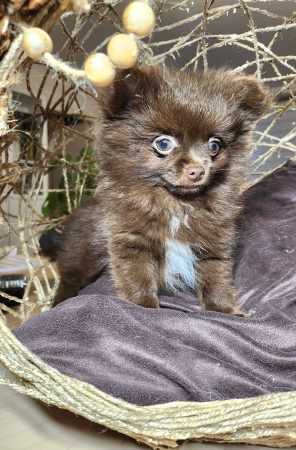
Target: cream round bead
[(99, 70), (123, 51), (138, 18), (36, 42)]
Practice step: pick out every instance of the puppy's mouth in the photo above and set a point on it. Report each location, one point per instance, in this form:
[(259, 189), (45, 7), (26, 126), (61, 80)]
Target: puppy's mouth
[(193, 182), (177, 188)]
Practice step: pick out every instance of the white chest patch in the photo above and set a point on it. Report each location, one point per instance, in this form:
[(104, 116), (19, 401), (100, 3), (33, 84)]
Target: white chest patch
[(175, 225), (180, 265)]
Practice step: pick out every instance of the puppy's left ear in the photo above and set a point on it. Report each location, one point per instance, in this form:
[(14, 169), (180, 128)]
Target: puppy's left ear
[(254, 98), (130, 88)]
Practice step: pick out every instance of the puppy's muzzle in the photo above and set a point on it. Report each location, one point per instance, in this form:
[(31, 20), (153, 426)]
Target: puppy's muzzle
[(194, 172)]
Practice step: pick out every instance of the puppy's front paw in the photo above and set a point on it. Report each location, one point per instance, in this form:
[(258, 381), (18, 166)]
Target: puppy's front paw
[(147, 301), (224, 302), (236, 311)]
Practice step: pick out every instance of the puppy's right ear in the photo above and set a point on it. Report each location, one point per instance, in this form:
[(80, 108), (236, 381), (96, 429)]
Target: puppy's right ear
[(254, 98), (129, 90)]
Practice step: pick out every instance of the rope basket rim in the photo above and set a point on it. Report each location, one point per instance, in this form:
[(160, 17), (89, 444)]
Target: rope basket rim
[(266, 419)]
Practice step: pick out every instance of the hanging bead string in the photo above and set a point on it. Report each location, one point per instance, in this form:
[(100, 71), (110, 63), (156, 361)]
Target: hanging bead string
[(122, 50)]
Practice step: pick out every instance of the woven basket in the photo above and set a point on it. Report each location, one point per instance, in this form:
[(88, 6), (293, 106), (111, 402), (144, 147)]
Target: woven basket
[(267, 420)]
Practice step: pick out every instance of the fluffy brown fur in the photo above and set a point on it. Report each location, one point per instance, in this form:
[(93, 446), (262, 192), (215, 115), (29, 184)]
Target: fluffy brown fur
[(166, 220)]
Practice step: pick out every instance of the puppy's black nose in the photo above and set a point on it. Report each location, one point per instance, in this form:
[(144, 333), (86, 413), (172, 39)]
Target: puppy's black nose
[(195, 173)]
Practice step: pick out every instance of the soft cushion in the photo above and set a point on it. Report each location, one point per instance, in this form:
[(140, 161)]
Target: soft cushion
[(180, 352)]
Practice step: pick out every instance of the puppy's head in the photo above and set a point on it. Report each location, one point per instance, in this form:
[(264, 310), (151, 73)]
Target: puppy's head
[(177, 129)]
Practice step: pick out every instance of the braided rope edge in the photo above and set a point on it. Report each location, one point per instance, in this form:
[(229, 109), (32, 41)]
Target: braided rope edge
[(268, 419)]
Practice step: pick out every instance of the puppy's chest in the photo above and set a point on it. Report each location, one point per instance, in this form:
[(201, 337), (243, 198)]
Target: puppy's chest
[(180, 270)]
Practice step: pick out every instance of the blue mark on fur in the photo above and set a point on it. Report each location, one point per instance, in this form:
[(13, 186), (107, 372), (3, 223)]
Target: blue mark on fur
[(180, 266)]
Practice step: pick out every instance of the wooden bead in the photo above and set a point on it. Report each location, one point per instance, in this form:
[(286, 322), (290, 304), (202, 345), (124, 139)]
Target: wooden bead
[(99, 69), (138, 18), (36, 42), (123, 51)]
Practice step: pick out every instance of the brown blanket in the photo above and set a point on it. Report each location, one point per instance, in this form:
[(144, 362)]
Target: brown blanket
[(180, 352)]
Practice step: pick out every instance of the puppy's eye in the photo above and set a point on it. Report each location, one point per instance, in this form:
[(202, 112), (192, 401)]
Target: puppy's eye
[(214, 146), (164, 144)]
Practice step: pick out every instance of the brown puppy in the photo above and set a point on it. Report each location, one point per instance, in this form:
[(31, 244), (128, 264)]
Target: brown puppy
[(172, 157)]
